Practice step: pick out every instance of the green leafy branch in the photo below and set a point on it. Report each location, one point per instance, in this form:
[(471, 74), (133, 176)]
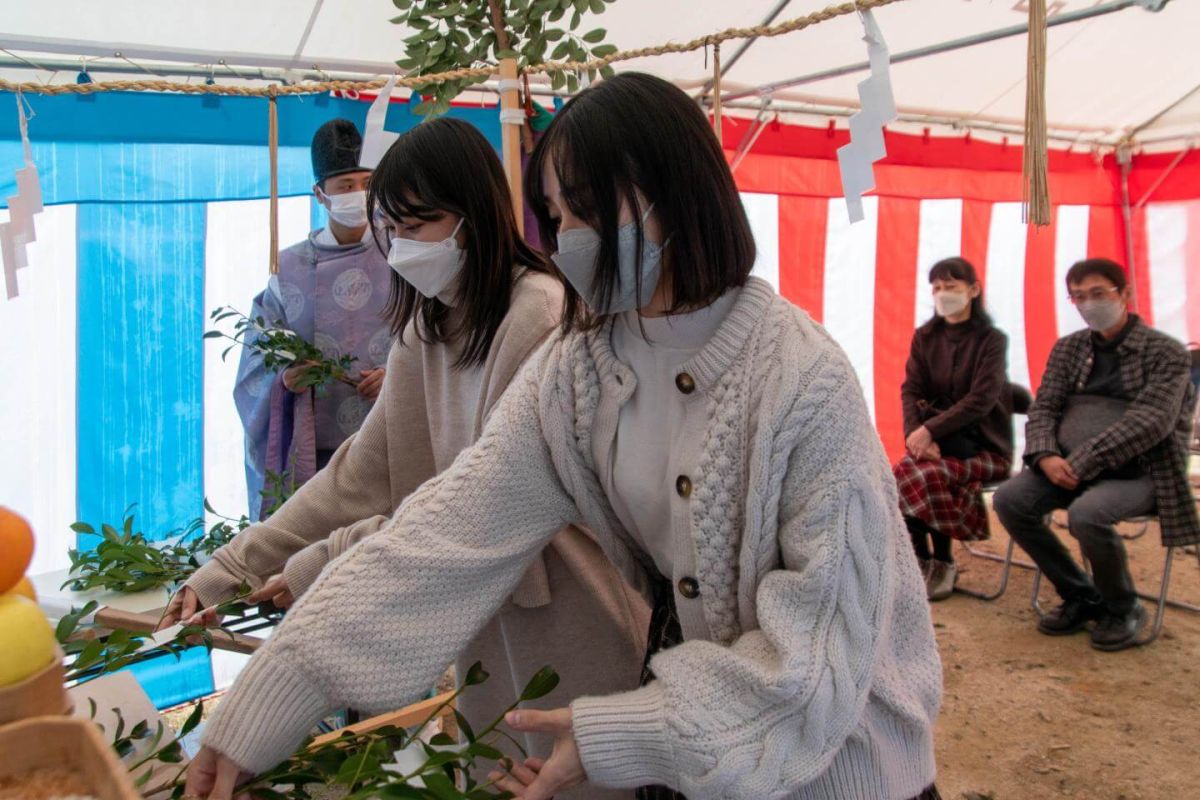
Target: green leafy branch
[(358, 762), (281, 349), (140, 737), (126, 561), (91, 652), (459, 34)]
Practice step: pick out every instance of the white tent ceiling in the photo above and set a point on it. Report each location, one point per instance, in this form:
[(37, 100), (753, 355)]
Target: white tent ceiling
[(1107, 75)]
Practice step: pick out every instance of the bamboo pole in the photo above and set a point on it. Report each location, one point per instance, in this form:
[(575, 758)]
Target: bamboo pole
[(512, 117)]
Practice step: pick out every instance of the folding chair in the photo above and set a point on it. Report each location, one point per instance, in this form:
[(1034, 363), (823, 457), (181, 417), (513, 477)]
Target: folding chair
[(1008, 561)]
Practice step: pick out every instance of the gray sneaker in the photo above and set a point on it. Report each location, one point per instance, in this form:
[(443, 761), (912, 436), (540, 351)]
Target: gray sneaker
[(939, 584)]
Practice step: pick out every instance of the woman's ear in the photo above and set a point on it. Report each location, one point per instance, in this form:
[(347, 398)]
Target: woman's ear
[(974, 291)]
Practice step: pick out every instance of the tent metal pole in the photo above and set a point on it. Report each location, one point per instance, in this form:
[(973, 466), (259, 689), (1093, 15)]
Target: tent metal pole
[(743, 47), (1162, 178), (1125, 160), (143, 52), (1187, 96), (943, 47)]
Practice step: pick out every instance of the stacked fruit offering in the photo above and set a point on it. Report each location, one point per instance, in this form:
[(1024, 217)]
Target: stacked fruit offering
[(27, 643)]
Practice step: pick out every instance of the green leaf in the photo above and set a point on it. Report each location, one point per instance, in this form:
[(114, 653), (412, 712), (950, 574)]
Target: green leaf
[(557, 80), (140, 731), (192, 721), (572, 83), (440, 786), (540, 684), (475, 675), (443, 740), (485, 750), (464, 726), (596, 6), (594, 36), (356, 766), (398, 791), (171, 754), (83, 527), (554, 34), (604, 50), (403, 5), (213, 334), (560, 52)]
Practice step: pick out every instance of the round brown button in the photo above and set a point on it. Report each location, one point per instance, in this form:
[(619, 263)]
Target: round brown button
[(685, 383), (683, 486), (689, 588)]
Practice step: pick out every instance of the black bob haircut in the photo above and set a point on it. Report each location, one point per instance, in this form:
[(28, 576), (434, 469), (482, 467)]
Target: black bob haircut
[(637, 133), (1104, 267), (446, 165)]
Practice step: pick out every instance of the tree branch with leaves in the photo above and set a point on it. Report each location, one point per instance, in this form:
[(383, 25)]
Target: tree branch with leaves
[(458, 34)]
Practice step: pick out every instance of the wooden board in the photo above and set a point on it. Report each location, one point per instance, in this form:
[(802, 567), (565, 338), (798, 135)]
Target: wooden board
[(118, 619), (406, 717)]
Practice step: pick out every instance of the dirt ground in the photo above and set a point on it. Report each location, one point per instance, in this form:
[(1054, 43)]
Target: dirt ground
[(1033, 716)]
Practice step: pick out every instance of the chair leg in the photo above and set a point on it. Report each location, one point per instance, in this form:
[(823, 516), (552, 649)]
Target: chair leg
[(1156, 627), (1016, 562), (1004, 575), (1035, 601)]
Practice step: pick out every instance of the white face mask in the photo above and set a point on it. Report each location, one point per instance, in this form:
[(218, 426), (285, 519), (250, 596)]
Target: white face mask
[(1100, 315), (950, 303), (430, 267), (349, 209), (578, 250)]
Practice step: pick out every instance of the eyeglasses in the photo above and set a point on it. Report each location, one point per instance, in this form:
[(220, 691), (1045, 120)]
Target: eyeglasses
[(1094, 295)]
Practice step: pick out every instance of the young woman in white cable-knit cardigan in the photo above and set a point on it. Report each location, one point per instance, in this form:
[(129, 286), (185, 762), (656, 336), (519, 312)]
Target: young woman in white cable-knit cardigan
[(715, 441)]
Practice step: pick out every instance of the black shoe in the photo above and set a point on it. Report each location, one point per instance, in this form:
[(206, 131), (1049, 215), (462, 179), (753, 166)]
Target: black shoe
[(1070, 617), (1119, 631)]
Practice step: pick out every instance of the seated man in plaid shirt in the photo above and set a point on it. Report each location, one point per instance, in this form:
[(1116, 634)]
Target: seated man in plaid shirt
[(1107, 439)]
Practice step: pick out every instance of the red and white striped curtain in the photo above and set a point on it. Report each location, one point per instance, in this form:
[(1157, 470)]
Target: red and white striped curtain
[(867, 283)]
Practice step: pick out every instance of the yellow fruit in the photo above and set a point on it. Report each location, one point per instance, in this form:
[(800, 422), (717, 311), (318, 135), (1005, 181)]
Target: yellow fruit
[(24, 588), (26, 640), (16, 548)]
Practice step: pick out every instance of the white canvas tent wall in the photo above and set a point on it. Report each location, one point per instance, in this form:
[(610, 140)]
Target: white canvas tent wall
[(1107, 75)]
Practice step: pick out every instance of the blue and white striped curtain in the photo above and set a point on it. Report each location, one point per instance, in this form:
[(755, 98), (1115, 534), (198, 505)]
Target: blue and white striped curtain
[(156, 213)]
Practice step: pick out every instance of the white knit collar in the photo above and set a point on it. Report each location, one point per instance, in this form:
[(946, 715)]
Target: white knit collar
[(714, 358)]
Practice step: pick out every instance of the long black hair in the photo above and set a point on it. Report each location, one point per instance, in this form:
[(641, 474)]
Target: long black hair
[(446, 165), (637, 133), (957, 268)]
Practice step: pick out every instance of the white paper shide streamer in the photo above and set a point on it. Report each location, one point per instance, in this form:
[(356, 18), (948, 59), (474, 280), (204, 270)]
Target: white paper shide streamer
[(878, 108), (376, 140), (18, 232)]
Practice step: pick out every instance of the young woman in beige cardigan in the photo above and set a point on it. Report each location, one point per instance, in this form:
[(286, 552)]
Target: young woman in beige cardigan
[(474, 302), (716, 442)]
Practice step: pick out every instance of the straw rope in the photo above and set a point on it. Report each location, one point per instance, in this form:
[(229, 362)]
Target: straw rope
[(1036, 181), (759, 32), (717, 93)]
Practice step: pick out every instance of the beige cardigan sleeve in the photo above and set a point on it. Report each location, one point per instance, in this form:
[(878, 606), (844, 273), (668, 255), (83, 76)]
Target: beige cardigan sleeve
[(355, 489)]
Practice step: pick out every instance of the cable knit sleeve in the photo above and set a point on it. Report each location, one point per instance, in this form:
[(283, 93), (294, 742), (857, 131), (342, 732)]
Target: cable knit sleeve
[(768, 713), (383, 621)]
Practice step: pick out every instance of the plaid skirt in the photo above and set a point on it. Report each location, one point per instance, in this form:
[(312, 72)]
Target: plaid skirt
[(665, 633), (945, 494)]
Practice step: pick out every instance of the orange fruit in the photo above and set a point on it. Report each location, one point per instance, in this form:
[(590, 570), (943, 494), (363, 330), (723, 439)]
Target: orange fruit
[(24, 588), (16, 548)]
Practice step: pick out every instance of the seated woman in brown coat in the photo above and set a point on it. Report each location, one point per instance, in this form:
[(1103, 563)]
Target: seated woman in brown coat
[(957, 422)]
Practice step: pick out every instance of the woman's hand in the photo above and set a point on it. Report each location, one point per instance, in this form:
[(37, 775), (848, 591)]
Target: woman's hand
[(213, 776), (183, 605), (537, 779), (276, 590), (918, 442), (370, 383)]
